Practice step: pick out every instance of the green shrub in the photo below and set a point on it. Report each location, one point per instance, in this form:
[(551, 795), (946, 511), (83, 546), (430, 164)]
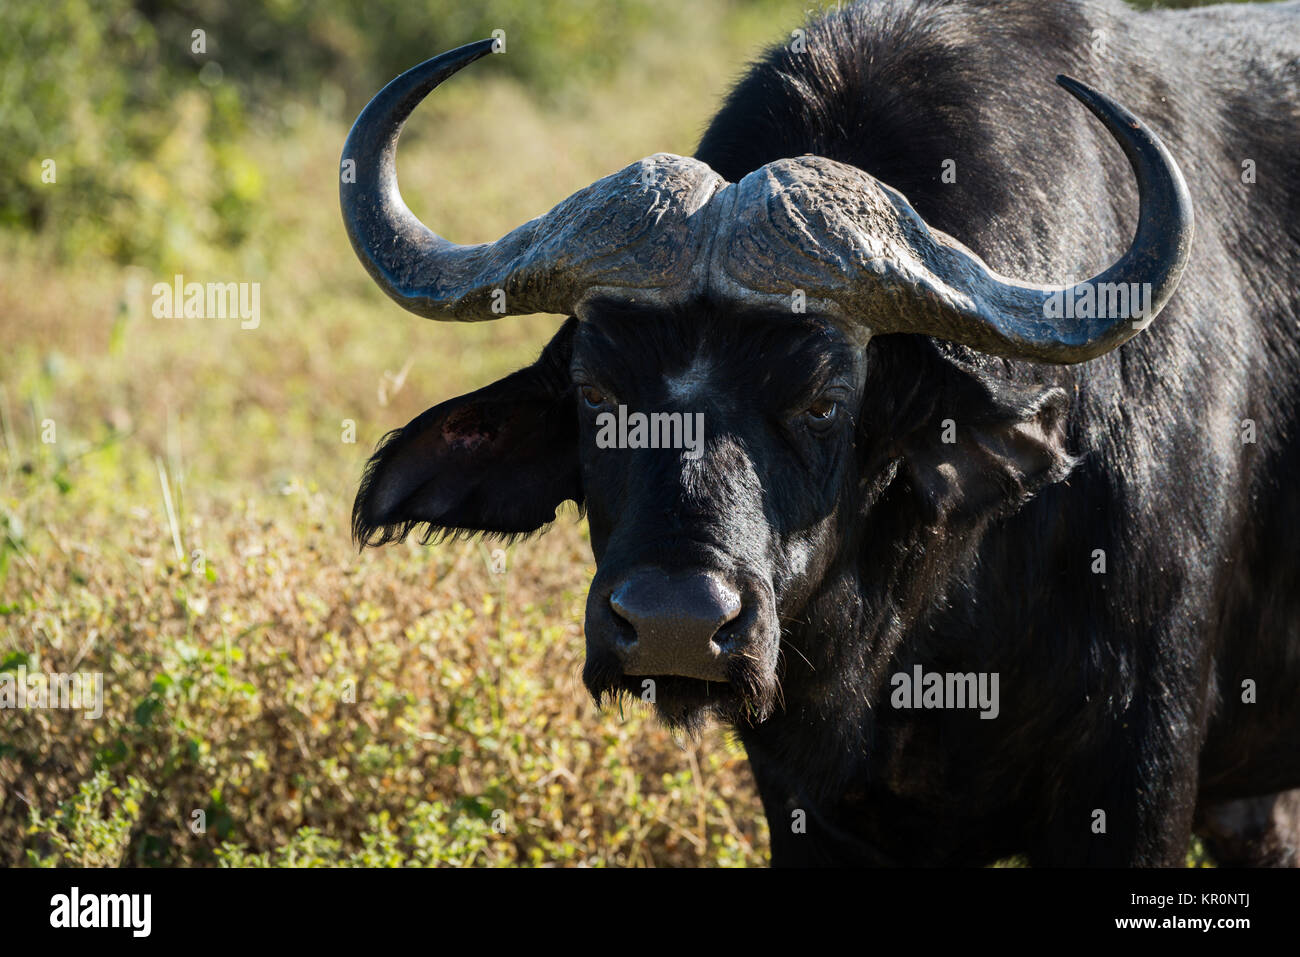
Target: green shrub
[(93, 829)]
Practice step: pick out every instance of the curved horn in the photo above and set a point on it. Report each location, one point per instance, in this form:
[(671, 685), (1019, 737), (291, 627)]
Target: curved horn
[(629, 231), (858, 249)]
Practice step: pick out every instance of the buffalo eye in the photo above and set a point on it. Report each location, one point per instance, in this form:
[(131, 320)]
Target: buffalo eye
[(593, 397), (822, 413)]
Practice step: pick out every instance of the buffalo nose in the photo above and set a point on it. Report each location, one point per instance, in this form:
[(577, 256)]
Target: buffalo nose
[(676, 619)]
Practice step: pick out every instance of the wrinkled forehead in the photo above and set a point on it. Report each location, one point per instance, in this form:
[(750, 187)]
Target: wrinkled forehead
[(703, 354), (686, 332)]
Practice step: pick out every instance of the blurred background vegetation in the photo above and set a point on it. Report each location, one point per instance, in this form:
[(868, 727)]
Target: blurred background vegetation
[(174, 494)]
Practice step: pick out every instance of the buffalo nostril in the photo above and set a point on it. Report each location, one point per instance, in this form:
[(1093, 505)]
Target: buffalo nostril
[(677, 620)]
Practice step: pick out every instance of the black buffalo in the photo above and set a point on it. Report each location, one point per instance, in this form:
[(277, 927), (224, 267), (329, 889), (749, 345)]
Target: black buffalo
[(970, 576)]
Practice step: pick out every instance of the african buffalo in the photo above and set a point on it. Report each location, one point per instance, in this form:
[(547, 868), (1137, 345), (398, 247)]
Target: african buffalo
[(971, 574)]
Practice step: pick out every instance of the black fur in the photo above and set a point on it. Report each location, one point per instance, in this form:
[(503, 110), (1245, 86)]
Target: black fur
[(1129, 683)]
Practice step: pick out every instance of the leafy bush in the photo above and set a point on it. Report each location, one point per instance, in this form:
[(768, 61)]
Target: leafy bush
[(116, 155), (83, 832)]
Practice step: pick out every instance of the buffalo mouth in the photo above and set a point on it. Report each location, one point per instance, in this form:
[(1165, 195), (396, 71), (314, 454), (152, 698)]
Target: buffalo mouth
[(748, 697), (690, 640)]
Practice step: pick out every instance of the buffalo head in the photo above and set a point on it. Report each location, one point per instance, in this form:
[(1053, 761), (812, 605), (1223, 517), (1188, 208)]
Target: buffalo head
[(737, 320)]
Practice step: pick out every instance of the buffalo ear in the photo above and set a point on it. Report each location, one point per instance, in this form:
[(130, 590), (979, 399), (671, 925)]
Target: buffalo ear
[(988, 448), (499, 460)]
